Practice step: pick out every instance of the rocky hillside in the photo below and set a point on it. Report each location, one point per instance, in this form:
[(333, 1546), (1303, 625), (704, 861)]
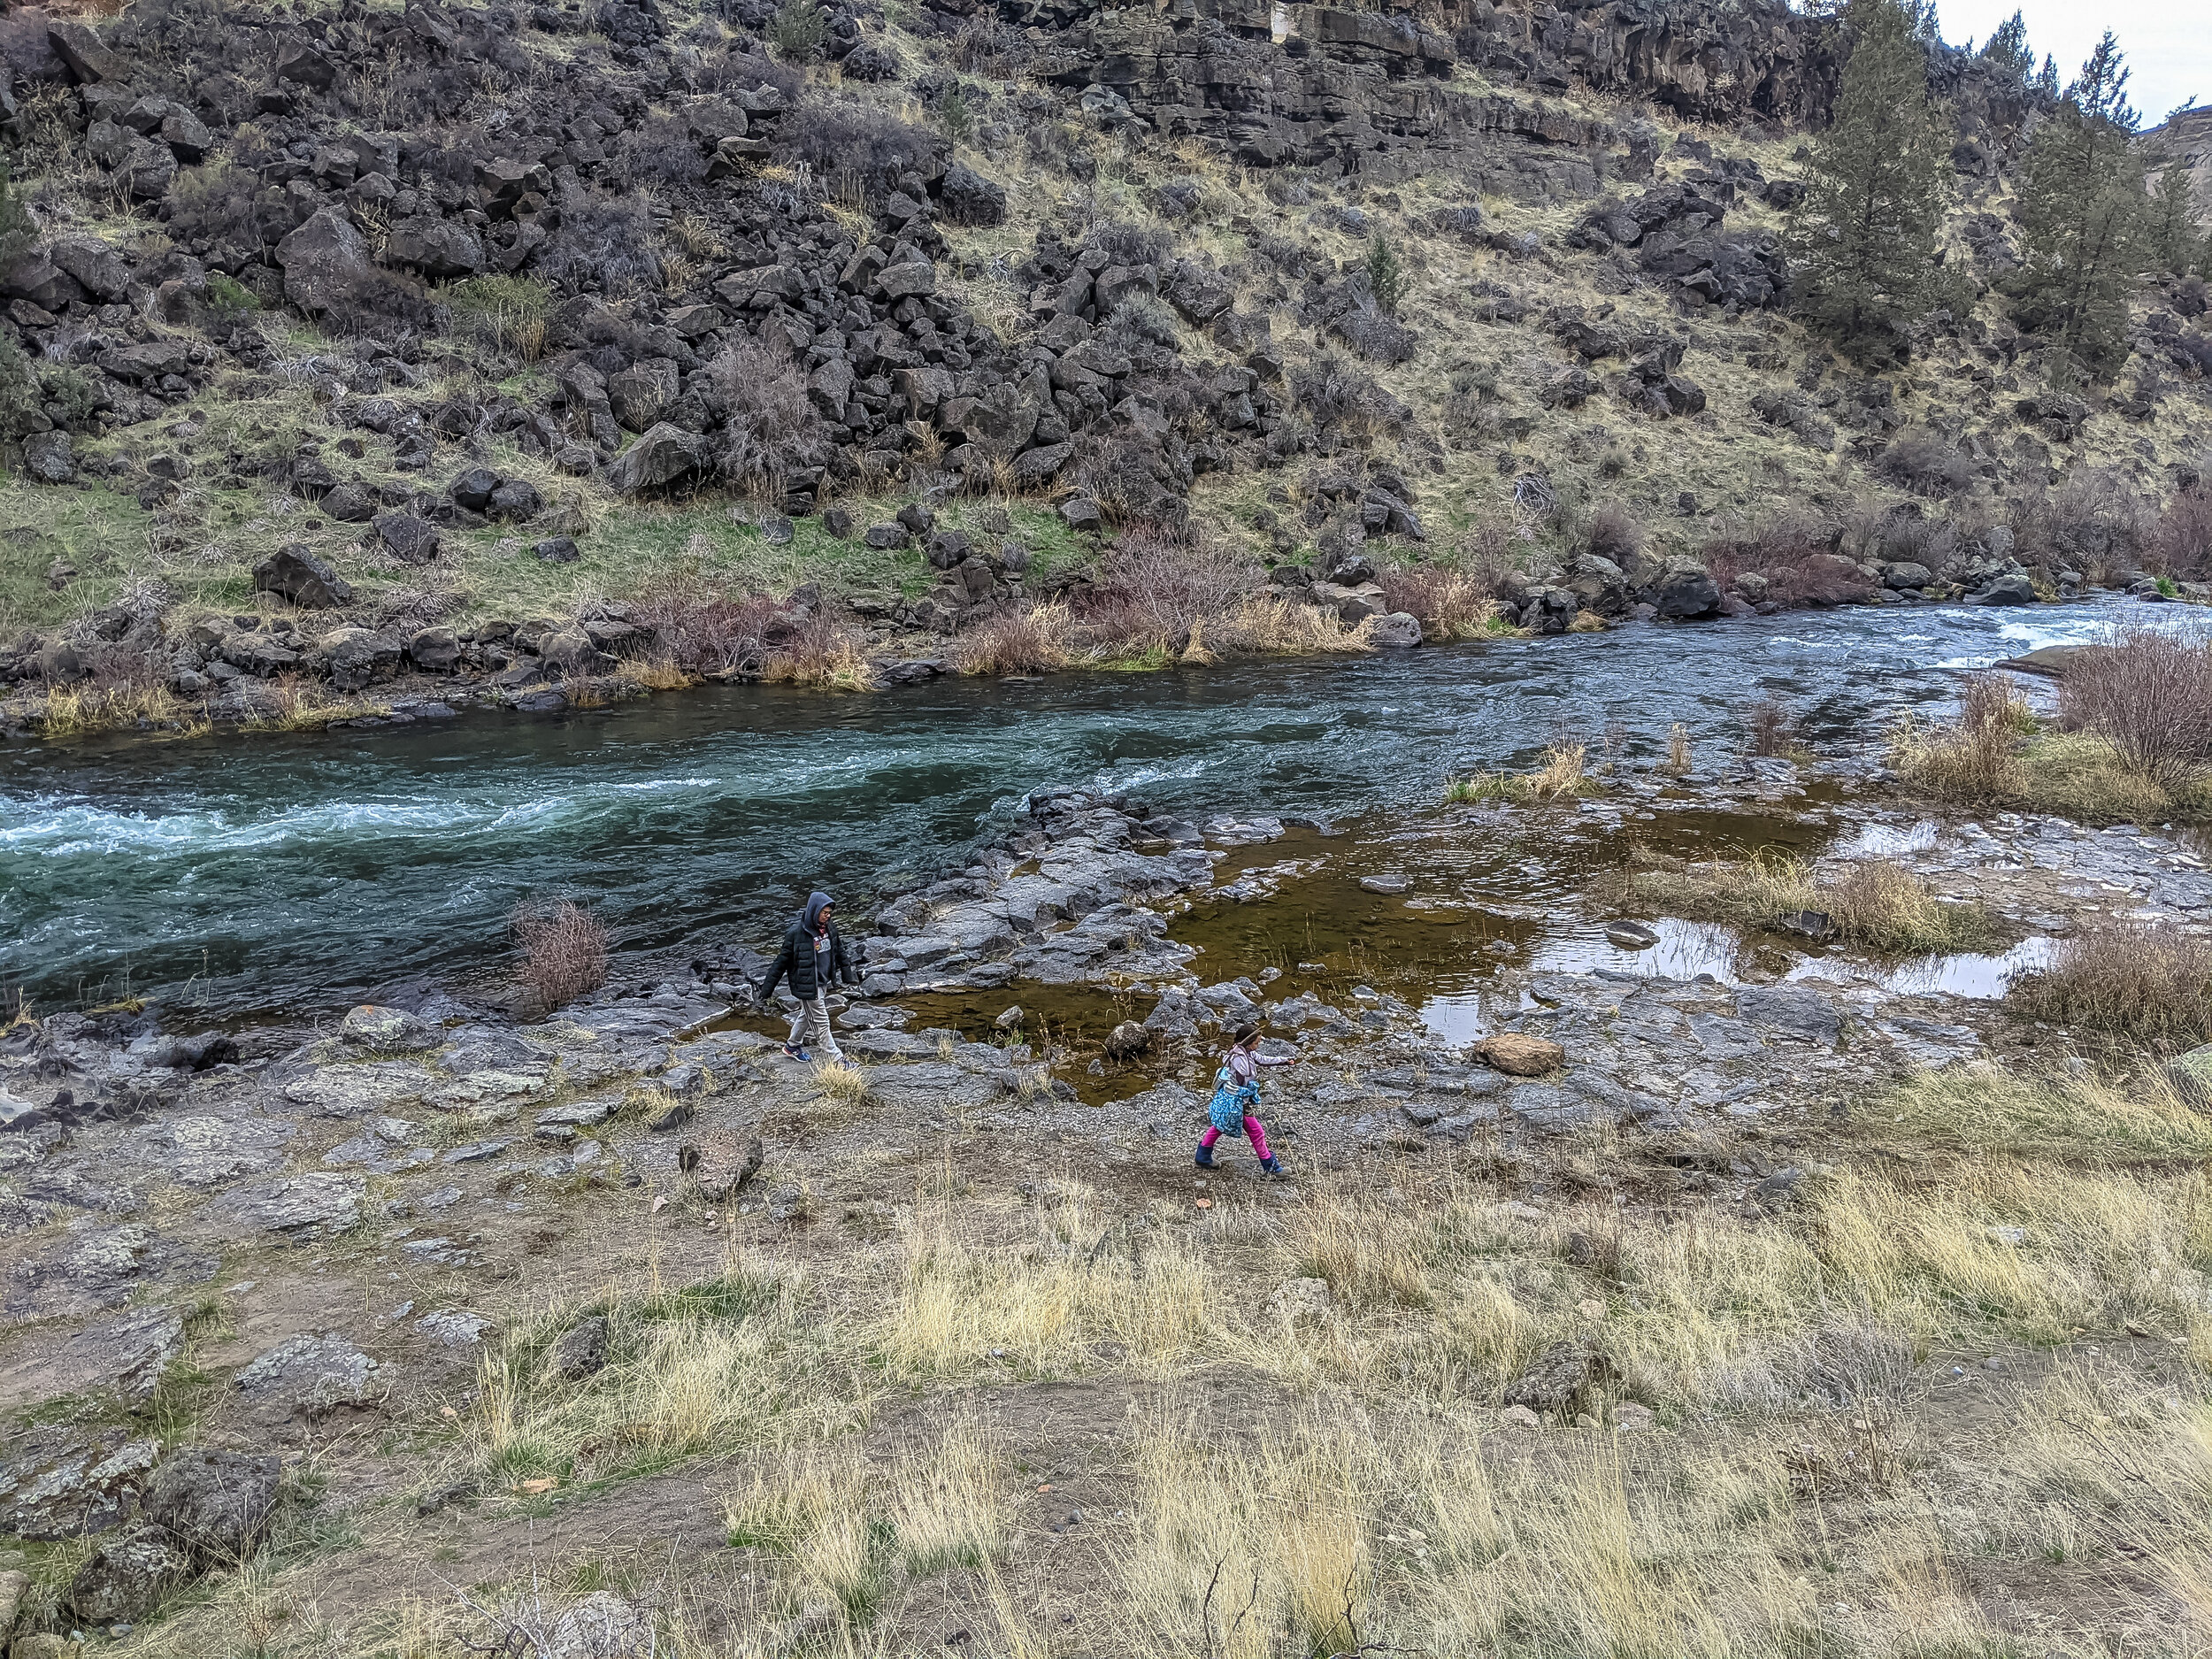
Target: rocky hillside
[(361, 346)]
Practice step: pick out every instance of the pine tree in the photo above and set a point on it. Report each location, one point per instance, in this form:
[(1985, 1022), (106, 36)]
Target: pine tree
[(2081, 216), (2175, 239), (1863, 243), (2046, 82), (2007, 51)]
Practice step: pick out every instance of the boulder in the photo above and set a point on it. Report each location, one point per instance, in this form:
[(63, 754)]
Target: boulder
[(1518, 1054), (720, 1163), (436, 651), (658, 458), (2012, 589), (299, 61), (215, 1505), (1400, 630), (1683, 590), (474, 488), (311, 1373), (1564, 1379), (1127, 1039), (48, 458), (295, 572), (407, 539), (125, 1577), (969, 198), (353, 658), (326, 262), (571, 651), (435, 248), (80, 51), (515, 498)]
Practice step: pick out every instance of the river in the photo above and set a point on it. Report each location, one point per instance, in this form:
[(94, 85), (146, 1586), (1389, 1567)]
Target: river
[(252, 873)]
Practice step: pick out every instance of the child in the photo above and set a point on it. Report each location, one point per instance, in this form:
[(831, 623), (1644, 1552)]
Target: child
[(1235, 1106)]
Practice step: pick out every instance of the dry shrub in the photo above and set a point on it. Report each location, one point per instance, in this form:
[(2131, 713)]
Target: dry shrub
[(2093, 518), (1452, 605), (1156, 593), (1032, 641), (2146, 983), (563, 950), (1769, 547), (704, 628), (1769, 724), (1926, 463), (2180, 543), (1260, 626), (1872, 902), (2149, 695), (1976, 758), (771, 428), (1564, 772), (823, 652), (1613, 532)]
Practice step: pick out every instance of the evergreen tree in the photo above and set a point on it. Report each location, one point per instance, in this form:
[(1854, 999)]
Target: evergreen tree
[(2007, 51), (2175, 239), (1863, 243), (2046, 84), (2081, 216)]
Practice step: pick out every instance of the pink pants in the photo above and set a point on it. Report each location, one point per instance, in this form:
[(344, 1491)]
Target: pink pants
[(1251, 1127)]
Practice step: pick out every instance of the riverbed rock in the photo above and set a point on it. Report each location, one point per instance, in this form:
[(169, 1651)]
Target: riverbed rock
[(1126, 1039), (1792, 1010), (1398, 630), (386, 1029), (1518, 1054)]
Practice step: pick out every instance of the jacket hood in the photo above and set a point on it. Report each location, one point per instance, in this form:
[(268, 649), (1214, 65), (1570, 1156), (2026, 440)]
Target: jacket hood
[(810, 918)]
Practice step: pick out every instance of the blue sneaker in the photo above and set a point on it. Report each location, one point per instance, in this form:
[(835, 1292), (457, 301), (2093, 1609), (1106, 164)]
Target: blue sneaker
[(1205, 1159), (1273, 1166), (793, 1052)]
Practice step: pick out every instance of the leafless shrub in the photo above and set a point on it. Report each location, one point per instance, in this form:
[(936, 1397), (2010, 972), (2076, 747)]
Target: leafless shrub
[(1769, 727), (2148, 694), (603, 245), (1132, 481), (771, 428), (1157, 593), (2094, 517), (840, 138), (2179, 544), (1613, 532), (660, 152), (1336, 396), (2146, 983), (1767, 548), (563, 950), (1926, 463), (1128, 244), (705, 628)]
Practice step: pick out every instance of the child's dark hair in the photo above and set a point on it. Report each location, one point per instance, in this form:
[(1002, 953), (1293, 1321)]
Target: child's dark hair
[(1244, 1034)]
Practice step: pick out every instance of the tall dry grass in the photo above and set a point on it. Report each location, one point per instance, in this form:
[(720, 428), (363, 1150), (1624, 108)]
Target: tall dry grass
[(1564, 774), (1976, 758), (2146, 983), (1031, 640), (1874, 901), (823, 653)]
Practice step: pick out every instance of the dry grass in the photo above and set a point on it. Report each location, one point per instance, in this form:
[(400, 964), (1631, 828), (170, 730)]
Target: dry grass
[(826, 654), (848, 1085), (1452, 604), (1031, 640), (563, 951), (2143, 983), (1680, 761), (1976, 758), (1563, 774), (81, 711), (1874, 902)]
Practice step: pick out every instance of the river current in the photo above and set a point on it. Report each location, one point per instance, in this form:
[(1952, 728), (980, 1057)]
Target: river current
[(250, 873)]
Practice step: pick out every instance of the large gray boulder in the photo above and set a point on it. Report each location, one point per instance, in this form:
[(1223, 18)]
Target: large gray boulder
[(354, 658), (436, 248), (295, 572), (325, 263), (1685, 590), (660, 458)]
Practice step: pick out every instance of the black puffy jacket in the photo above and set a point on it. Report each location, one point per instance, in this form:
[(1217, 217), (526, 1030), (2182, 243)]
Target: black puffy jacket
[(808, 969)]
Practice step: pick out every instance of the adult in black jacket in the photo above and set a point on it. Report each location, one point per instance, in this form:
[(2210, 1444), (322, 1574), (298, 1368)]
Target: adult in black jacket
[(814, 959)]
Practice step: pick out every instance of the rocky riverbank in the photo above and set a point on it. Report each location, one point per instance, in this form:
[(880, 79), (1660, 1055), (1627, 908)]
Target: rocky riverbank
[(231, 1251)]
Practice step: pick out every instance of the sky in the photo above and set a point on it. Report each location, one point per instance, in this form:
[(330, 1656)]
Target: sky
[(2168, 42)]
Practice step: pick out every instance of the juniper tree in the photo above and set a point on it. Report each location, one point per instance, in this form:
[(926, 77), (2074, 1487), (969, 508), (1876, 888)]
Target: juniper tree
[(1863, 241), (2175, 239), (2082, 215), (2007, 50)]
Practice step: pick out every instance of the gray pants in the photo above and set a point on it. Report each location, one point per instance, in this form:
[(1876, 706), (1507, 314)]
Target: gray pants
[(810, 1027)]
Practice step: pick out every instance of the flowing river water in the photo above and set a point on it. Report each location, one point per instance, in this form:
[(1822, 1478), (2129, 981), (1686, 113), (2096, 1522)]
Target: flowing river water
[(298, 872)]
